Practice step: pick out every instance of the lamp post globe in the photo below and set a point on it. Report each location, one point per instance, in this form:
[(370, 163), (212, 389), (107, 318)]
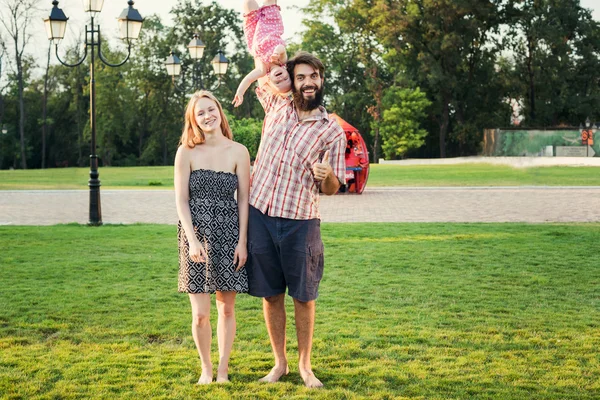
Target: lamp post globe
[(173, 65), (130, 22), (220, 63), (196, 47), (93, 6), (56, 23)]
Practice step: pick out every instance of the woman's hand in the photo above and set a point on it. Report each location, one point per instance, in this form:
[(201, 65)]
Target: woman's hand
[(240, 256), (197, 252)]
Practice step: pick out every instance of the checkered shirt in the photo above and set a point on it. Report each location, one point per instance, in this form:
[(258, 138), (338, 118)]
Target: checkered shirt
[(282, 183)]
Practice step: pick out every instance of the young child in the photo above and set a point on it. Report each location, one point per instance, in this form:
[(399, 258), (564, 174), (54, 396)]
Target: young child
[(263, 28)]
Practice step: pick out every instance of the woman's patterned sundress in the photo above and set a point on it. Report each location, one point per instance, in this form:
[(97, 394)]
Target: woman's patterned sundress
[(216, 223)]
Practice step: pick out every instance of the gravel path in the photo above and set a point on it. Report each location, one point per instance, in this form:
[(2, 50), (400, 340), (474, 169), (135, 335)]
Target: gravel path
[(397, 204)]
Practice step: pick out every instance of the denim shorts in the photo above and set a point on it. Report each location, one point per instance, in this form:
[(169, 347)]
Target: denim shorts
[(284, 253)]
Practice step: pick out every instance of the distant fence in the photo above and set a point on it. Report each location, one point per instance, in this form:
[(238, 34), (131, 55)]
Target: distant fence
[(498, 142)]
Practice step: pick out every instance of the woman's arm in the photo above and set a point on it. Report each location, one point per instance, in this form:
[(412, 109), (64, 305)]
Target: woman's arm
[(242, 171), (182, 198)]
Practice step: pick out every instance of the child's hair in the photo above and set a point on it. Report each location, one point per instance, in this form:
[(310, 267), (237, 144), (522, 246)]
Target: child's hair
[(192, 134)]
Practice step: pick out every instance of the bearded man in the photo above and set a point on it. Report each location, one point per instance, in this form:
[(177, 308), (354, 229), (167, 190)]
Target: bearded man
[(301, 153)]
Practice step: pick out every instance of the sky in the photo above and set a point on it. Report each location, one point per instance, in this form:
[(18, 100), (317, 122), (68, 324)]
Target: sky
[(112, 8), (293, 24)]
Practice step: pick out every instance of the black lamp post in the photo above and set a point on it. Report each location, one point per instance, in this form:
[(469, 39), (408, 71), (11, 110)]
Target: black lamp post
[(196, 48), (130, 24)]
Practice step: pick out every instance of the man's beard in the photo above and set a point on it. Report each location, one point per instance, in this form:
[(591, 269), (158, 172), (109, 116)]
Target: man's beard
[(303, 104)]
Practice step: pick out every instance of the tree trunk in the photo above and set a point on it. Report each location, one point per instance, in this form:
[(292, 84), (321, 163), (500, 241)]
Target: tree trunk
[(378, 117), (78, 96), (21, 114), (460, 119), (164, 146), (531, 73), (144, 125), (44, 107), (375, 146), (444, 125)]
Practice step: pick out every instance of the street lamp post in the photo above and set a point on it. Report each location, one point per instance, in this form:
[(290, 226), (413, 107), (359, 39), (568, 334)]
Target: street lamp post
[(130, 23), (196, 48)]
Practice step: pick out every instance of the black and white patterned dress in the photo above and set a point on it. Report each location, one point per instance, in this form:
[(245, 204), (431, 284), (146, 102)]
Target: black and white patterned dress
[(216, 222)]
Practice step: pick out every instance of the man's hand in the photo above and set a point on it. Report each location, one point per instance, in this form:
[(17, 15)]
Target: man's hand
[(322, 169)]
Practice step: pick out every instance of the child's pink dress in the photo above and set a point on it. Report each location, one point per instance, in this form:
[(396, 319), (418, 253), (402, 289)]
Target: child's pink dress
[(263, 29)]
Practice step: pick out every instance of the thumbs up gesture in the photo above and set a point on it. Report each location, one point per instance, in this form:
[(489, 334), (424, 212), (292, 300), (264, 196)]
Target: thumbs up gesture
[(322, 169)]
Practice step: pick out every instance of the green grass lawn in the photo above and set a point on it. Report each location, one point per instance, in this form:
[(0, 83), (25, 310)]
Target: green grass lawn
[(423, 311), (380, 175)]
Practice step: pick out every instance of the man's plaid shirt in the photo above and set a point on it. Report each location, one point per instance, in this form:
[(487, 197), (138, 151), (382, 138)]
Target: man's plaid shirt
[(282, 184)]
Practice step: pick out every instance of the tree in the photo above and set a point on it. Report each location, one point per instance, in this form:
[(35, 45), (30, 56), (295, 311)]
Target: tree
[(354, 76), (556, 60), (438, 43), (400, 125), (20, 14)]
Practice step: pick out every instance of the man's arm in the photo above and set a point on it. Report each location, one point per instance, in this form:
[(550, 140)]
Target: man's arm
[(336, 159)]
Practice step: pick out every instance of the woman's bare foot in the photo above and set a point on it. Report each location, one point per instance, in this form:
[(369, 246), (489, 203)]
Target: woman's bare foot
[(310, 380), (223, 374), (276, 373), (206, 376)]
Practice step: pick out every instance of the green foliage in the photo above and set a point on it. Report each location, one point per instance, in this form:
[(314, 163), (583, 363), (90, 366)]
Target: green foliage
[(557, 47), (400, 125), (246, 131), (461, 311)]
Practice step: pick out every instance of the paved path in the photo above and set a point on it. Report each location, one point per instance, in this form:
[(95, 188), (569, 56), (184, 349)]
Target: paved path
[(470, 204)]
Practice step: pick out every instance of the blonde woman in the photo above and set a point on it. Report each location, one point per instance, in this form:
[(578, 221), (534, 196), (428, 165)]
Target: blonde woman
[(212, 229)]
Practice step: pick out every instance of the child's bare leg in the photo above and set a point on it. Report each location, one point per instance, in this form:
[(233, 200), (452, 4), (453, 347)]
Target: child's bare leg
[(269, 2), (250, 5)]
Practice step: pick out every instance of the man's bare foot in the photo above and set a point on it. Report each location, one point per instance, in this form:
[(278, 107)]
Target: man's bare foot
[(310, 380), (275, 374), (223, 374), (206, 376)]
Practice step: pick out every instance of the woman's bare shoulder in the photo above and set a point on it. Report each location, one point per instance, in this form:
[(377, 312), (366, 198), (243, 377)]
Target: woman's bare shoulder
[(240, 149), (183, 153)]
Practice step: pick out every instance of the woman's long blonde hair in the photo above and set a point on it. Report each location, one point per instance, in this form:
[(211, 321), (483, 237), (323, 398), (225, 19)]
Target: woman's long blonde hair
[(192, 134)]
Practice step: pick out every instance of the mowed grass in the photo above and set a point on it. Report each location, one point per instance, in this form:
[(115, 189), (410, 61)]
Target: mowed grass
[(380, 175), (481, 175), (419, 311)]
